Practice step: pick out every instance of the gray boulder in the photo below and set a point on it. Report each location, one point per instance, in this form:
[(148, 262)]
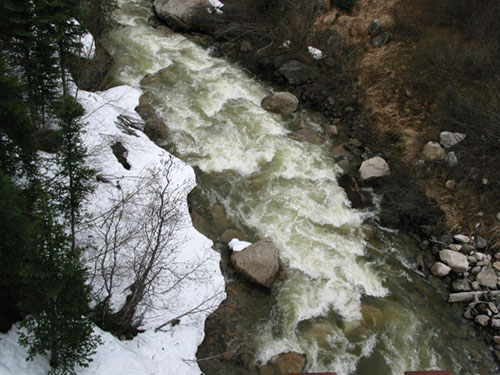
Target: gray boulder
[(296, 73), (487, 277), (440, 269), (178, 14), (260, 262), (461, 285), (482, 320), (282, 102), (456, 261), (449, 139), (374, 168)]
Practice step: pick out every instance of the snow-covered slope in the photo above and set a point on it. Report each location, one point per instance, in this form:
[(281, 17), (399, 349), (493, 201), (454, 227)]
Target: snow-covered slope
[(172, 350)]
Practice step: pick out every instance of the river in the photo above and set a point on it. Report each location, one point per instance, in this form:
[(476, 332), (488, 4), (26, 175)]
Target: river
[(353, 300)]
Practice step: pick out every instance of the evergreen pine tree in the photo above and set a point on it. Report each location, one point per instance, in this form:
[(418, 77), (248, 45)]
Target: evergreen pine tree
[(75, 177), (17, 145), (56, 296)]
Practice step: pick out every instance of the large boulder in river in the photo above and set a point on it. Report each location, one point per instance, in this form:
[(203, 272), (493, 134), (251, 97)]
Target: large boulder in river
[(291, 362), (373, 168), (260, 262), (178, 14), (282, 102)]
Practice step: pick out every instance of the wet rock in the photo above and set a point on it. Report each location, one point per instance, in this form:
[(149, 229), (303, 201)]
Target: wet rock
[(461, 285), (381, 40), (230, 234), (155, 129), (440, 269), (449, 139), (200, 223), (373, 168), (220, 222), (259, 262), (357, 197), (480, 243), (434, 152), (456, 261), (178, 14), (482, 320), (290, 362), (375, 27), (461, 238), (280, 102), (296, 73), (307, 135), (487, 277), (154, 21)]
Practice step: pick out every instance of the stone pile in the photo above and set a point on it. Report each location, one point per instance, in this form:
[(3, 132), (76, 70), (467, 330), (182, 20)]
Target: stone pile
[(474, 273)]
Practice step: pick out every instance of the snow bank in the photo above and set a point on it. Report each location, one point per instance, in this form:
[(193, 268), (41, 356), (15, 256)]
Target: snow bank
[(316, 53), (237, 245), (173, 350)]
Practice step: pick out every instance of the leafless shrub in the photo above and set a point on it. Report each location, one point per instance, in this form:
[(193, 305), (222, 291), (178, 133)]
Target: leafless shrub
[(136, 253)]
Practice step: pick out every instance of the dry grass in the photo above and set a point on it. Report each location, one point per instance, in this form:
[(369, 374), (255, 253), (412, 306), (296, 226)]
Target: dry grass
[(398, 107)]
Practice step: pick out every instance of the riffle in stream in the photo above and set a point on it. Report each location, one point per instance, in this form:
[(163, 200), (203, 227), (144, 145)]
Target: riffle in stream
[(353, 301)]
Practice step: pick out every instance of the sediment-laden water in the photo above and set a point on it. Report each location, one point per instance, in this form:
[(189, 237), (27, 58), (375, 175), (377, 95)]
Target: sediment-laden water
[(353, 300)]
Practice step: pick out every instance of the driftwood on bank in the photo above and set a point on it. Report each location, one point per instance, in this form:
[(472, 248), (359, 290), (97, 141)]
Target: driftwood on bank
[(470, 296)]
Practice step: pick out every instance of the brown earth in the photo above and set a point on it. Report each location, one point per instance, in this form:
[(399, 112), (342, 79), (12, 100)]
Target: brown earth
[(399, 114)]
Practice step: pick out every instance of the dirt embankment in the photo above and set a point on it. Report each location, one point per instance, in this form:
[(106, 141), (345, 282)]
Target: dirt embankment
[(401, 116)]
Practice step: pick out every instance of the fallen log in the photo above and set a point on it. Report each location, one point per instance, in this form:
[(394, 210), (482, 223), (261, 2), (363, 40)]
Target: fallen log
[(470, 296)]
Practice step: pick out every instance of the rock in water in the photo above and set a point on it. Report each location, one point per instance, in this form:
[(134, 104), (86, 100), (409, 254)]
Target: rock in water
[(374, 168), (260, 262), (290, 362), (449, 139), (282, 102), (456, 261), (178, 14)]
